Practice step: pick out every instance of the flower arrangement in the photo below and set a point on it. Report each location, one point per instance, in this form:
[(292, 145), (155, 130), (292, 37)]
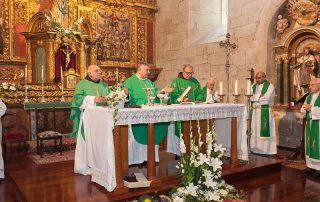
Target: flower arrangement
[(66, 35), (201, 172), (7, 87), (114, 98)]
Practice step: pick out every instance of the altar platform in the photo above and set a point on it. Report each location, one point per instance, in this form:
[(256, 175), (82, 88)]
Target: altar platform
[(57, 182)]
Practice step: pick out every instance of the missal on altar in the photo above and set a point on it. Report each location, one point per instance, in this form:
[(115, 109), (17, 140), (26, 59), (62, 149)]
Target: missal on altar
[(184, 94)]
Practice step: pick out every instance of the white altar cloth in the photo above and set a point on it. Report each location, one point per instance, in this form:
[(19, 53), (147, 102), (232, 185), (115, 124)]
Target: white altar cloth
[(98, 125)]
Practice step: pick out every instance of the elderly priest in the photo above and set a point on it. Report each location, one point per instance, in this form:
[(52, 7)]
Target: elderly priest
[(88, 93), (138, 86), (183, 81), (311, 110), (263, 139)]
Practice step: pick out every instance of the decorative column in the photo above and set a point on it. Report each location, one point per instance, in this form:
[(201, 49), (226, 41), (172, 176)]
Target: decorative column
[(279, 78), (50, 59), (29, 62), (81, 59), (286, 79)]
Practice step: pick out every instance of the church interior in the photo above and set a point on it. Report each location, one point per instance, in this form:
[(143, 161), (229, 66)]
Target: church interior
[(46, 47)]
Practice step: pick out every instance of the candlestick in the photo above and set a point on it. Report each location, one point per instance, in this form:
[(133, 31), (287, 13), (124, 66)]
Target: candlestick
[(220, 88), (62, 85), (42, 87), (236, 88), (42, 73), (117, 75), (26, 100), (236, 98), (221, 97), (251, 159)]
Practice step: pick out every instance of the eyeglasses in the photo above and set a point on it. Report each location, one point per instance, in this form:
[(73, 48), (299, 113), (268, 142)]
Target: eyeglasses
[(97, 70), (189, 73)]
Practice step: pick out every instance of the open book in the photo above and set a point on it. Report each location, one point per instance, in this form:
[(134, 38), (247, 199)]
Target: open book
[(184, 94)]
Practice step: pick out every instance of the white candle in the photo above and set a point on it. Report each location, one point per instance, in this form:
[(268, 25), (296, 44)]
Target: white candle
[(26, 73), (248, 87), (117, 74), (42, 73), (220, 88), (236, 87), (85, 72), (61, 74)]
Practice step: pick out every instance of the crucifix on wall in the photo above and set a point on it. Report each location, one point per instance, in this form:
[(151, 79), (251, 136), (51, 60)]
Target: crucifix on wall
[(228, 45), (67, 52)]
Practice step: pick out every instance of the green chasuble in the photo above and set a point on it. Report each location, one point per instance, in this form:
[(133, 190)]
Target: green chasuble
[(138, 96), (312, 131), (264, 120), (204, 94), (84, 88), (180, 84)]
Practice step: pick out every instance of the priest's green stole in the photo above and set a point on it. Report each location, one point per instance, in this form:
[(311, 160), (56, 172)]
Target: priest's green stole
[(312, 132), (264, 119)]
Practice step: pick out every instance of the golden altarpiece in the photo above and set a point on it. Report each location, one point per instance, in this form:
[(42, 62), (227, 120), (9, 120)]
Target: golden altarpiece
[(115, 34)]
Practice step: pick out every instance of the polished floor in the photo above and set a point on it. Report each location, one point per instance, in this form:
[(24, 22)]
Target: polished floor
[(26, 181)]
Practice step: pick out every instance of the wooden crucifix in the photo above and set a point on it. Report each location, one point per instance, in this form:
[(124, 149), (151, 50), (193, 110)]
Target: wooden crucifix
[(228, 45)]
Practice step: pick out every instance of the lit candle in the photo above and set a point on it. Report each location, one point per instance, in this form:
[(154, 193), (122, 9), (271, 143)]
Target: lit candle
[(236, 87), (248, 87), (85, 72), (220, 88), (42, 73)]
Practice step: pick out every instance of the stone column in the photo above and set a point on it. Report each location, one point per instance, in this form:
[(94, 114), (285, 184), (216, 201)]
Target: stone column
[(286, 79), (279, 79)]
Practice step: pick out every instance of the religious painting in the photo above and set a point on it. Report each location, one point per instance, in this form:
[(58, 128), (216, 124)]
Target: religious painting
[(19, 23), (113, 36), (59, 12)]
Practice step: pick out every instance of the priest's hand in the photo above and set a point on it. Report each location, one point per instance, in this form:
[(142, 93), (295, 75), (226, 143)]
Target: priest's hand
[(198, 101), (126, 91), (261, 95), (168, 89), (186, 99), (307, 107), (99, 99)]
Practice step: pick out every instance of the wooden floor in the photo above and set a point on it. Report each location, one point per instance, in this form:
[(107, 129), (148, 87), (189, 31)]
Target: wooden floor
[(26, 181)]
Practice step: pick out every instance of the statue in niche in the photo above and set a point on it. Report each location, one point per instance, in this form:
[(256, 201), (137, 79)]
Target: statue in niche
[(282, 24), (304, 71)]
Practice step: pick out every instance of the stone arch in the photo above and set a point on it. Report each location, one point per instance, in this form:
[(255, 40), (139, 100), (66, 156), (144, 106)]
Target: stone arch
[(264, 37)]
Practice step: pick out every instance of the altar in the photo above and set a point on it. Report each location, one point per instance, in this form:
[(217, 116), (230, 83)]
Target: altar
[(107, 154)]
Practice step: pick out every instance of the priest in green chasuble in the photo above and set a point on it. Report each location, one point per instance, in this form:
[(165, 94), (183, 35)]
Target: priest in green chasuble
[(311, 110), (184, 80), (89, 92), (138, 86), (263, 138)]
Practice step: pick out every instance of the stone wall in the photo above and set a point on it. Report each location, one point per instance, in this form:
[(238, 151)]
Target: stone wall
[(250, 23), (252, 27)]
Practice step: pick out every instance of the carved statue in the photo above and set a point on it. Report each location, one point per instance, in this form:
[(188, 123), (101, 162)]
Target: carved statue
[(305, 70), (282, 24), (304, 11), (67, 52)]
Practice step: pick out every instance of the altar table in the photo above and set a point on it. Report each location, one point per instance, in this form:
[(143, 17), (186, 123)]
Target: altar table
[(108, 152)]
